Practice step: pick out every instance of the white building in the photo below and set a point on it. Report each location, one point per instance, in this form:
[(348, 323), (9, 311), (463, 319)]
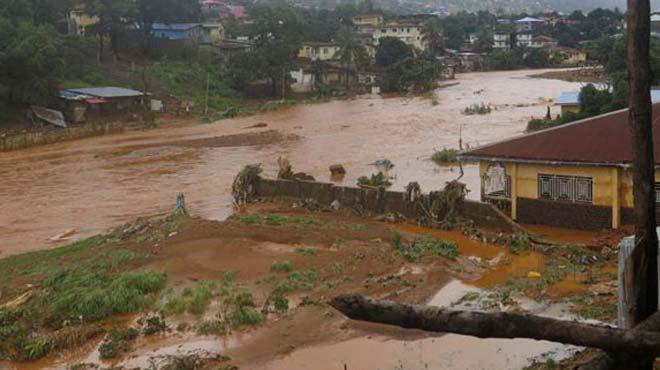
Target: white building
[(318, 51), (501, 40), (409, 33)]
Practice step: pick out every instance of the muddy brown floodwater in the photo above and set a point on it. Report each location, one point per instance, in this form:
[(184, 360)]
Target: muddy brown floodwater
[(92, 184)]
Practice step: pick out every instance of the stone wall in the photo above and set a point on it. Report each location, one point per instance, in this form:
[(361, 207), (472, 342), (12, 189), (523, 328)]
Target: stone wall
[(28, 139), (377, 201)]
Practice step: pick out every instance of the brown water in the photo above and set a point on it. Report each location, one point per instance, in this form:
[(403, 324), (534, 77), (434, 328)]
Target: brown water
[(93, 184)]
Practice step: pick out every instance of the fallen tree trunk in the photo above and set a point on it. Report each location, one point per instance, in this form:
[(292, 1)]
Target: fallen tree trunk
[(498, 325)]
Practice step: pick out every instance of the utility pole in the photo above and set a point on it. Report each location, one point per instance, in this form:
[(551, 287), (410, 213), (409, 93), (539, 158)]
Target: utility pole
[(206, 104)]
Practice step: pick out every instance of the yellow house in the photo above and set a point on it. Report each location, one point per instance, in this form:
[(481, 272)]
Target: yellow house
[(318, 51), (577, 175), (569, 102)]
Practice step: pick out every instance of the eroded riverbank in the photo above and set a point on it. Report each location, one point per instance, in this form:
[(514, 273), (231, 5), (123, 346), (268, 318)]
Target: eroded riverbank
[(90, 185), (307, 257)]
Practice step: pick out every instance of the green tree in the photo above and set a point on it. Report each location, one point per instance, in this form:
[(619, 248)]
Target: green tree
[(432, 35), (351, 54), (391, 50), (484, 43), (31, 62), (278, 37)]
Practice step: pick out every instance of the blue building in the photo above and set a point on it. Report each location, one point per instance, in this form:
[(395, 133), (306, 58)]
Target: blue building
[(178, 31)]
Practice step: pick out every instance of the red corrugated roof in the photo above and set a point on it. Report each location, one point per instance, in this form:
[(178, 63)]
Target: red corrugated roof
[(601, 140)]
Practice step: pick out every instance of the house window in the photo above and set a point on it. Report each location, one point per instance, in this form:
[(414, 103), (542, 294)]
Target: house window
[(657, 192), (565, 188), (325, 50)]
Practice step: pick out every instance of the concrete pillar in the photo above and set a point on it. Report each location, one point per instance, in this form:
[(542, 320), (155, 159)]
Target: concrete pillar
[(514, 191), (616, 199)]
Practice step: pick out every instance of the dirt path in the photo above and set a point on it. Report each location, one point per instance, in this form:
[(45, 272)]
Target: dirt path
[(92, 184)]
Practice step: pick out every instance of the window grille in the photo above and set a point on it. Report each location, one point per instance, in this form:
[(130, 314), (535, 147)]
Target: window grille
[(569, 188)]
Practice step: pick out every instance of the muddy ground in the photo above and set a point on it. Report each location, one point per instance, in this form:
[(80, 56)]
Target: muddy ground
[(271, 254)]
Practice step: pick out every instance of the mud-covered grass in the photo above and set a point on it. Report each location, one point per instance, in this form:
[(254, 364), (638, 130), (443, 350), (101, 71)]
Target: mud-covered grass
[(52, 299)]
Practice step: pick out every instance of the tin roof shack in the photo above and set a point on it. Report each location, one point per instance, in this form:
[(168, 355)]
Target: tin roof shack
[(577, 175), (80, 105), (569, 101)]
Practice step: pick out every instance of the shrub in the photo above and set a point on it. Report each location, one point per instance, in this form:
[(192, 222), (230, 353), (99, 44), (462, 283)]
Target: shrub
[(477, 109), (378, 179), (284, 266), (109, 349), (424, 246), (446, 156), (193, 299)]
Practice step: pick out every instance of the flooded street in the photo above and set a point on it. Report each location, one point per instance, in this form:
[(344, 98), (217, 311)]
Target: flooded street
[(93, 184)]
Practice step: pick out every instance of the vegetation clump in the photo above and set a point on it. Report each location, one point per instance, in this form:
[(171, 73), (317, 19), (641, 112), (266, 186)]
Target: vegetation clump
[(116, 341), (445, 156), (424, 246), (193, 299), (284, 266), (278, 220), (377, 180), (480, 109)]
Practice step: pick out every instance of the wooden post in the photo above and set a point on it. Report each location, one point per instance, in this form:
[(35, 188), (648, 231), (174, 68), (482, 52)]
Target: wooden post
[(514, 191)]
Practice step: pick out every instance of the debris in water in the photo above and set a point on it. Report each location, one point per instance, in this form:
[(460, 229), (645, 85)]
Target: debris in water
[(244, 184), (337, 169), (63, 236), (533, 275), (258, 125), (180, 206), (18, 301)]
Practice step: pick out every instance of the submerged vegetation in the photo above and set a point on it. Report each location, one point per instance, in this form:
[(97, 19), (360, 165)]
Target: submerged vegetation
[(420, 247), (445, 156), (377, 180), (480, 109)]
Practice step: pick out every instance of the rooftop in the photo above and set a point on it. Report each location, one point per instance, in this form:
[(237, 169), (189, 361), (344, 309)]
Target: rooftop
[(528, 20), (104, 92), (174, 26), (600, 141)]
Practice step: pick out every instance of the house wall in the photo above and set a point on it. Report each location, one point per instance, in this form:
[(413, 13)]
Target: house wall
[(408, 33), (610, 206), (569, 108)]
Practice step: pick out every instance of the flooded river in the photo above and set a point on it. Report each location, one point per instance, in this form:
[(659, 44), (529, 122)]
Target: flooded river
[(93, 184)]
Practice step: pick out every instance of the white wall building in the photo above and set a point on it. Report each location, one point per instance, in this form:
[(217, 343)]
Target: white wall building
[(318, 51), (409, 33)]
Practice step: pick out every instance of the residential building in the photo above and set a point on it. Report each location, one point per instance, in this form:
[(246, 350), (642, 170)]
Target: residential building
[(528, 24), (543, 42), (572, 57), (78, 21), (367, 23), (502, 40), (318, 51), (213, 32), (576, 175), (524, 39), (408, 32), (80, 105), (178, 31)]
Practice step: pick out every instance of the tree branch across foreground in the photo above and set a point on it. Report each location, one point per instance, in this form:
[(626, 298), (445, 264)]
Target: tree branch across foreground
[(498, 325)]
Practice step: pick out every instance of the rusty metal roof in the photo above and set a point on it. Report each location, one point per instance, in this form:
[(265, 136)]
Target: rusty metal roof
[(603, 140)]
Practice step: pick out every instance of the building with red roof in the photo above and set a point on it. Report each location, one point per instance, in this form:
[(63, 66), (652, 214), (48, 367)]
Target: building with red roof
[(575, 175)]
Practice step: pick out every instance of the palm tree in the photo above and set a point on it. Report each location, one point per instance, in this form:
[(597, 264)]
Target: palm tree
[(432, 35), (351, 54)]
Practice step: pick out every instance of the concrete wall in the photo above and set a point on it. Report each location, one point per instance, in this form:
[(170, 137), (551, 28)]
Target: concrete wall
[(26, 140), (376, 201)]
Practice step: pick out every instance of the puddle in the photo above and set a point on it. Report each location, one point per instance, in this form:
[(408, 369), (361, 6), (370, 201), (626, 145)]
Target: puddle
[(447, 352)]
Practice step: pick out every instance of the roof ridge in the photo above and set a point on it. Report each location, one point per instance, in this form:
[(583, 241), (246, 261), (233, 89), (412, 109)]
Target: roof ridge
[(530, 134)]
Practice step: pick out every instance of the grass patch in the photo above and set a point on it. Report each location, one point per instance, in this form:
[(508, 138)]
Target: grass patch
[(520, 242), (76, 295), (424, 246), (308, 251), (278, 220), (296, 281), (284, 266), (445, 156), (193, 299)]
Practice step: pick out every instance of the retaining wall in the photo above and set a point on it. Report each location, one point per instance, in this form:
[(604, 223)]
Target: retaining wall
[(377, 201), (28, 139)]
